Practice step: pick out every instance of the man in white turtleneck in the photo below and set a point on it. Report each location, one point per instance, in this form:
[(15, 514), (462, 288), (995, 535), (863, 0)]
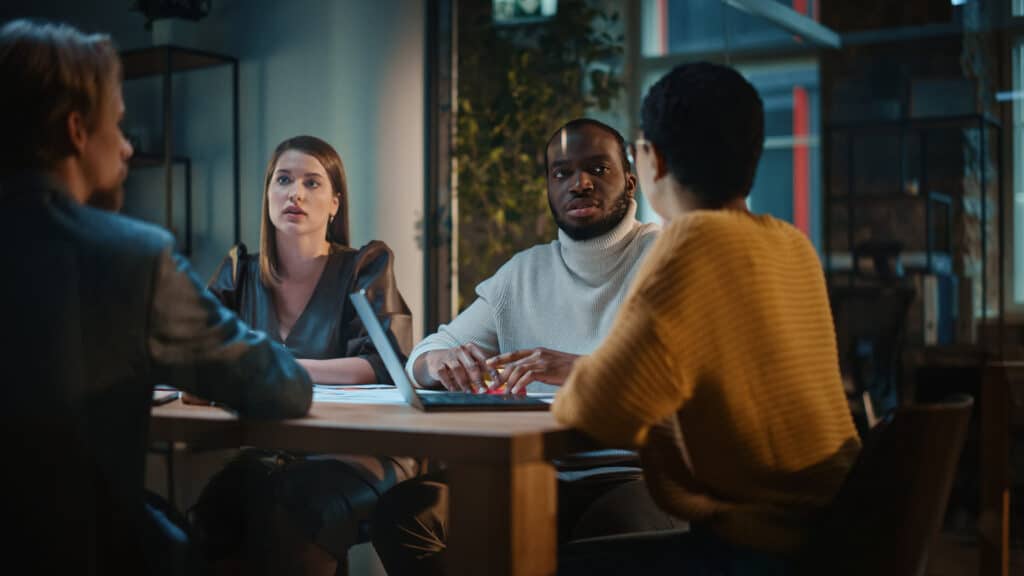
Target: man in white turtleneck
[(534, 317), (553, 302)]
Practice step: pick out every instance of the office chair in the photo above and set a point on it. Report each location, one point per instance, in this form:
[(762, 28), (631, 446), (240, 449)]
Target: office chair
[(892, 502)]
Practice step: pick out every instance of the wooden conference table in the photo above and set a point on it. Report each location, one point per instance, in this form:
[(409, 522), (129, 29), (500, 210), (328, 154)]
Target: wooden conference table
[(503, 498)]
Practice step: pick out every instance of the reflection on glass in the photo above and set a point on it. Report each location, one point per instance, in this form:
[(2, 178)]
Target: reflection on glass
[(701, 26), (787, 184), (788, 178)]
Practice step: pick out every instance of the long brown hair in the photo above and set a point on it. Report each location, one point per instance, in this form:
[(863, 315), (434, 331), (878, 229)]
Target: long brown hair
[(337, 230)]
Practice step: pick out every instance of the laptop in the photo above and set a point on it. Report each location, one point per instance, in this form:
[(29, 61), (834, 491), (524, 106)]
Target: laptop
[(428, 400)]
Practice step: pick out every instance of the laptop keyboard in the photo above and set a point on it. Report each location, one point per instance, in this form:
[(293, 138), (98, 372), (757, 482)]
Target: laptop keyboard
[(468, 399)]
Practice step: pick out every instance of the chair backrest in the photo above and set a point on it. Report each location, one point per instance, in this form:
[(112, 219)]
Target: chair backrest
[(893, 501), (871, 322), (877, 314)]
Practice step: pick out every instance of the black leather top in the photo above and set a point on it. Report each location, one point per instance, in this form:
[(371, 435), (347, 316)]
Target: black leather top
[(329, 326)]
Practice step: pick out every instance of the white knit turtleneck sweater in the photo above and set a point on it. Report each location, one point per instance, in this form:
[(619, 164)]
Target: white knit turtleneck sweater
[(562, 295)]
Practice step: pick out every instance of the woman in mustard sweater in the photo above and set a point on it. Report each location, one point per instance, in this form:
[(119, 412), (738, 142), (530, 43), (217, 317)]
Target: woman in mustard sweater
[(721, 366)]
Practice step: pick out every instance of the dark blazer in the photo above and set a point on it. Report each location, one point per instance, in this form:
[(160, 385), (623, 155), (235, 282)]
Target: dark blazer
[(98, 309), (329, 326)]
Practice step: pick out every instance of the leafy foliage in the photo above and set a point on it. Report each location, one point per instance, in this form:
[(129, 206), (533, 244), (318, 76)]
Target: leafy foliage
[(516, 85)]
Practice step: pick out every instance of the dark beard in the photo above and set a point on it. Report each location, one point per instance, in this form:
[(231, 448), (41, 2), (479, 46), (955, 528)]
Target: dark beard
[(599, 228), (110, 199)]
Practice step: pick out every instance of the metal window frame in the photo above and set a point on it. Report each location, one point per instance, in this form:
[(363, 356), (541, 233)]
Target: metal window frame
[(440, 208), (1015, 43), (790, 20), (637, 66)]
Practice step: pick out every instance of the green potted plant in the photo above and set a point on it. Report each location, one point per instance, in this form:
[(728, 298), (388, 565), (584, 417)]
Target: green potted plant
[(516, 85)]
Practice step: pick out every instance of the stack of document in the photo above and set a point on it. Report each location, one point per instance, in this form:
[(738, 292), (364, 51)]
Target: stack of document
[(361, 394)]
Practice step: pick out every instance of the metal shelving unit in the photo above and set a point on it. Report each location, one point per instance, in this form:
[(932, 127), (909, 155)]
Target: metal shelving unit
[(165, 62), (944, 243)]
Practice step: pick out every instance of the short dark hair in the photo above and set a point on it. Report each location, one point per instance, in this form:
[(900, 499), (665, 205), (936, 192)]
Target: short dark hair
[(707, 121), (49, 70), (581, 122)]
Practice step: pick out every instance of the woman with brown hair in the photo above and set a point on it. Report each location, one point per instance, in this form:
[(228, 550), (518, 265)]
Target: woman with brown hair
[(297, 290)]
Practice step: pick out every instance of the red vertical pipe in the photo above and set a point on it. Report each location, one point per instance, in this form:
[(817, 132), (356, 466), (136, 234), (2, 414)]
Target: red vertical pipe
[(663, 26), (801, 160)]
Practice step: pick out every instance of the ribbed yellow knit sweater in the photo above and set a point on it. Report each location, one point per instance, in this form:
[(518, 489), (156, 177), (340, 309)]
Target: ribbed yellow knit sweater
[(722, 367)]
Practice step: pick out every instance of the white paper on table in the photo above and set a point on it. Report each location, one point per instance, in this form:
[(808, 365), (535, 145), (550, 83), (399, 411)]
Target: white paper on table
[(364, 394)]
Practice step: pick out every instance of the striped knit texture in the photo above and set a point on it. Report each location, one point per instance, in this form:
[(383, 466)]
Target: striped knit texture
[(722, 366)]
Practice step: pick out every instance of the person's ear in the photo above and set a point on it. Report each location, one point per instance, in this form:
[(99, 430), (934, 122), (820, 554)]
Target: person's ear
[(78, 133), (630, 185), (335, 204), (658, 165)]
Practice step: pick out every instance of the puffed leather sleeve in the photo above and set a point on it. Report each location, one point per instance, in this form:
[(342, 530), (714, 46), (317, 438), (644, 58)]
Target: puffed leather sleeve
[(224, 284), (374, 272)]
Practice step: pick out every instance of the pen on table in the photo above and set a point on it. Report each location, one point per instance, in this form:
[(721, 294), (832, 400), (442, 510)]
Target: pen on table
[(508, 391), (496, 377)]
